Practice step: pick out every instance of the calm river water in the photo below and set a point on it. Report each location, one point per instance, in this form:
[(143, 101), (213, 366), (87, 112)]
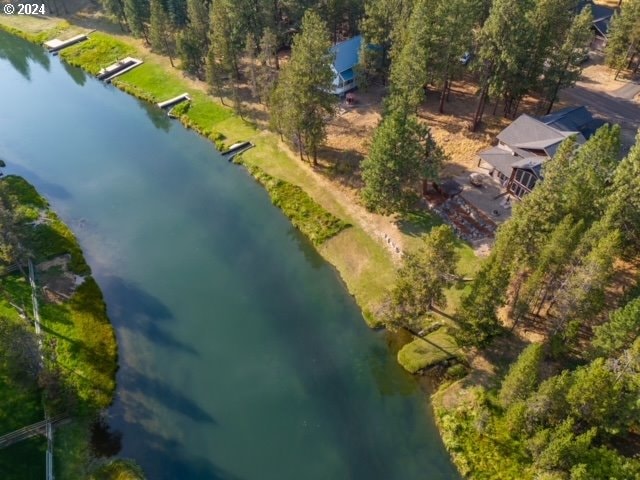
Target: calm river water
[(242, 356)]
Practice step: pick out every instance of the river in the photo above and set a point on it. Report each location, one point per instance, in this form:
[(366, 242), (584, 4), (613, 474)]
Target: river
[(242, 356)]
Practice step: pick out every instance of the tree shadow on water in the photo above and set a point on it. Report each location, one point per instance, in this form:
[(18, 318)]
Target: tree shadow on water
[(158, 117), (165, 459), (76, 74), (19, 53), (140, 312), (105, 442), (48, 189), (133, 382)]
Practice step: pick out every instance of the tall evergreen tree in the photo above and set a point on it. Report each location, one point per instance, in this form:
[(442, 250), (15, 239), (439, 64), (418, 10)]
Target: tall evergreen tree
[(623, 41), (402, 155), (160, 31), (409, 68), (137, 15), (269, 47), (383, 25), (564, 65), (424, 276), (303, 100), (619, 332), (451, 36), (193, 41), (522, 378), (505, 42), (623, 205), (115, 8)]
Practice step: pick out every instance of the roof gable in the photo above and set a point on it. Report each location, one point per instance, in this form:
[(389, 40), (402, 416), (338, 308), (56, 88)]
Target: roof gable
[(529, 133), (573, 119), (346, 53), (601, 15)]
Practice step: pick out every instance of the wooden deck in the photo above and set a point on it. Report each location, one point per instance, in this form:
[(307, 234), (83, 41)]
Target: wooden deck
[(120, 67), (56, 44), (183, 97)]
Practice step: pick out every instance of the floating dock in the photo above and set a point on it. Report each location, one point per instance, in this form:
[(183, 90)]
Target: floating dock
[(56, 44), (122, 66), (183, 97), (236, 149)]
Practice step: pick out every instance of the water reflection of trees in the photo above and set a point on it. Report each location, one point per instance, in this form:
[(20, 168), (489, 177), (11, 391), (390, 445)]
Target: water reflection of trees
[(157, 116), (20, 53), (77, 75)]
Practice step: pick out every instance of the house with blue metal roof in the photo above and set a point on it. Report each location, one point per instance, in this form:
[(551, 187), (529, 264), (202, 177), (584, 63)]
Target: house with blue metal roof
[(525, 145), (346, 58)]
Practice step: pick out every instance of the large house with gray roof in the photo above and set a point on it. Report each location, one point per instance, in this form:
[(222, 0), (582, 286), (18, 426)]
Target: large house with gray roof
[(523, 147)]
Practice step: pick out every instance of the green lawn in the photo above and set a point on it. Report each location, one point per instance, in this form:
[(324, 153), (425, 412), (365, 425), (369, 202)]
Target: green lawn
[(425, 352), (305, 214), (101, 50), (37, 29)]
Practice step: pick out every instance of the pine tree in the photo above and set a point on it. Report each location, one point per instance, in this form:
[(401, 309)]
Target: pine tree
[(177, 10), (623, 204), (477, 314), (549, 265), (622, 329), (623, 41), (597, 398), (561, 447), (193, 41), (137, 15), (564, 65), (581, 295), (224, 45), (548, 406), (251, 57), (424, 276), (522, 378), (303, 101), (402, 155), (505, 42), (383, 25), (549, 20), (409, 68), (451, 35), (269, 47), (115, 8), (160, 31)]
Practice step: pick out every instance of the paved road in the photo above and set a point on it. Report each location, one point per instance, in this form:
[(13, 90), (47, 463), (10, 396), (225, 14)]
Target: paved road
[(608, 107), (628, 91)]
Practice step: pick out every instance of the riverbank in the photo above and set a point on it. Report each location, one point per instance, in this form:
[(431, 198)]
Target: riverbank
[(76, 376), (364, 255)]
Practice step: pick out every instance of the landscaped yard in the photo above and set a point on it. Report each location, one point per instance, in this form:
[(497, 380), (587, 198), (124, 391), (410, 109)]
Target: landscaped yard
[(425, 352)]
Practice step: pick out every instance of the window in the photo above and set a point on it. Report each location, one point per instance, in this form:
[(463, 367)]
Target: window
[(525, 179)]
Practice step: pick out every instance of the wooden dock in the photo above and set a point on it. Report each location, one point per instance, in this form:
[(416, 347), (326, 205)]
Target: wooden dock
[(183, 97), (120, 67), (237, 149), (56, 44)]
